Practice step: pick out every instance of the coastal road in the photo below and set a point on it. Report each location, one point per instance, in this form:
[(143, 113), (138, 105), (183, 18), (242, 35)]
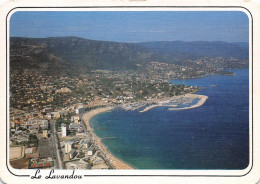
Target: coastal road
[(55, 142), (84, 126)]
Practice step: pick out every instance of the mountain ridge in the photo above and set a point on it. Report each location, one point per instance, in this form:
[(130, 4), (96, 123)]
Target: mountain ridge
[(75, 55)]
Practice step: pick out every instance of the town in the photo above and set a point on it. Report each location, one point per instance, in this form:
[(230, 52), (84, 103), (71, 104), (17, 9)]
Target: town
[(46, 126), (54, 140)]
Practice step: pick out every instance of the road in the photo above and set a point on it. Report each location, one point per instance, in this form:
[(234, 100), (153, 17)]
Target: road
[(84, 126), (55, 142)]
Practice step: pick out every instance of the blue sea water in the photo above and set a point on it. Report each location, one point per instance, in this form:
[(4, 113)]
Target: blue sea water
[(212, 136)]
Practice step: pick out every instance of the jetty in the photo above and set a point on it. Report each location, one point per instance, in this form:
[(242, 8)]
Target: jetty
[(106, 138), (175, 101)]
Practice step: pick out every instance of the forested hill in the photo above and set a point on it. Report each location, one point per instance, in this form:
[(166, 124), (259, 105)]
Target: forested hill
[(81, 53), (73, 55)]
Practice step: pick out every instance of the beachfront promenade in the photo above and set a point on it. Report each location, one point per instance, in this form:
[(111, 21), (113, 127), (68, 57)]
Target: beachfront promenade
[(115, 162)]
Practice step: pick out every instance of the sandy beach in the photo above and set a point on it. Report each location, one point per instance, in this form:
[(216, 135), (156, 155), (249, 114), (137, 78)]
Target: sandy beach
[(116, 163)]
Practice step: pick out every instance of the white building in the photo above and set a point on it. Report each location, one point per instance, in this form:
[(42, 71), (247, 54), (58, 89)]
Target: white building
[(42, 123), (63, 130), (75, 119), (45, 134), (90, 151), (86, 143), (68, 146), (76, 127), (72, 153), (12, 124), (80, 110), (80, 106)]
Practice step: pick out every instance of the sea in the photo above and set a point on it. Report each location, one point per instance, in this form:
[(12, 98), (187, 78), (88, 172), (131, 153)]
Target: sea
[(212, 136)]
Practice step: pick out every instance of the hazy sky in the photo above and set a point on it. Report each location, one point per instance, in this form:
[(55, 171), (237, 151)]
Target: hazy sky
[(134, 26)]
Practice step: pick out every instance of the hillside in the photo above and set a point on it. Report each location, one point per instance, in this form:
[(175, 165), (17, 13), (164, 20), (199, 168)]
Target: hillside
[(76, 54), (32, 55), (73, 55)]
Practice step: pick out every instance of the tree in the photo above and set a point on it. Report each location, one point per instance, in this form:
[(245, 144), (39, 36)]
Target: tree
[(33, 140)]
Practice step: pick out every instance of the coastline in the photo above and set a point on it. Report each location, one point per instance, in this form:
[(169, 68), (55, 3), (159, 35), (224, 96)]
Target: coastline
[(114, 161)]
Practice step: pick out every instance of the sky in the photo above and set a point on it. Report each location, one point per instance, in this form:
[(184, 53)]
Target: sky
[(133, 26)]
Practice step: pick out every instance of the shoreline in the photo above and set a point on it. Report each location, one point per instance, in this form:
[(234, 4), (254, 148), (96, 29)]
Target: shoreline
[(114, 161)]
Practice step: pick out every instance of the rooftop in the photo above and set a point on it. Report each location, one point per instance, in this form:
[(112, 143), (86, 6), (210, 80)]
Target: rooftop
[(91, 148), (86, 141), (69, 142), (72, 151)]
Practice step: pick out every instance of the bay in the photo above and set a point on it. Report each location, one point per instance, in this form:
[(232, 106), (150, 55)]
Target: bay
[(212, 136)]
